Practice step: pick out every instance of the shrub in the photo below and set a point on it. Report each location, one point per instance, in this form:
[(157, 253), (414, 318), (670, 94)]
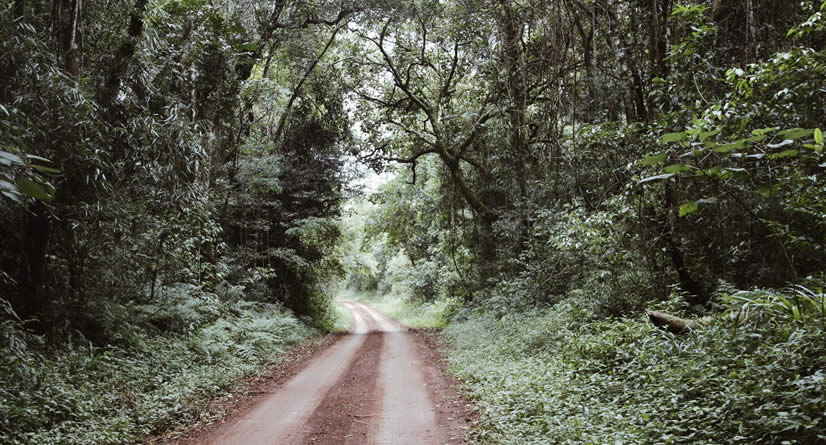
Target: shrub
[(562, 376), (81, 394)]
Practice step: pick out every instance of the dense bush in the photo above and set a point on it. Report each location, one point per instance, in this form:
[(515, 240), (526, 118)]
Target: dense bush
[(80, 393), (753, 374)]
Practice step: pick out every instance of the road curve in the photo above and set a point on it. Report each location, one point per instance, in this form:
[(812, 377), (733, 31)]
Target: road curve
[(375, 368)]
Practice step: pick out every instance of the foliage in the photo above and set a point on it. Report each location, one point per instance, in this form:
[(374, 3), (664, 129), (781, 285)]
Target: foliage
[(413, 313), (343, 318), (154, 220), (83, 394), (562, 375)]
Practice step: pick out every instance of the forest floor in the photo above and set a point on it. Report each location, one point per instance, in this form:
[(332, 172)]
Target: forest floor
[(379, 384)]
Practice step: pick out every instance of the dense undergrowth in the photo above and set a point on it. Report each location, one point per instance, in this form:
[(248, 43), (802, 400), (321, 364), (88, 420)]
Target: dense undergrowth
[(78, 393), (686, 167), (753, 374)]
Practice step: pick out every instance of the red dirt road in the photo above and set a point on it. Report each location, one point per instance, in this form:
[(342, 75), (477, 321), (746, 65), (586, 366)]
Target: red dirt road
[(379, 385)]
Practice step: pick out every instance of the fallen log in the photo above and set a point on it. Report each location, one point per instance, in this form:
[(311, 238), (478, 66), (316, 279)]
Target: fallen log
[(671, 323)]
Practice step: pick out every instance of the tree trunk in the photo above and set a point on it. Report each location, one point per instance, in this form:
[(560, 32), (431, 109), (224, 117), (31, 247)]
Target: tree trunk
[(19, 9), (627, 72), (69, 34), (658, 35), (672, 323), (36, 232), (697, 294), (517, 84), (123, 57), (488, 255)]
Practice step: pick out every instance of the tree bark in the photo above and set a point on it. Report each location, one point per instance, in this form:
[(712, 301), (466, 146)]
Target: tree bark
[(627, 72), (697, 294), (517, 91), (69, 18), (19, 9), (285, 115), (658, 28), (588, 60), (671, 323), (36, 232)]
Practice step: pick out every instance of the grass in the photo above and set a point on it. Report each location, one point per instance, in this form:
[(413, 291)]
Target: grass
[(343, 317)]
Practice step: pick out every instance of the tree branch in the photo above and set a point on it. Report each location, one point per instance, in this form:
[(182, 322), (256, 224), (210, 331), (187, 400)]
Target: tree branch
[(304, 78)]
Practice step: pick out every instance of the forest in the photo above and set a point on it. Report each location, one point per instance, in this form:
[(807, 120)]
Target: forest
[(613, 210)]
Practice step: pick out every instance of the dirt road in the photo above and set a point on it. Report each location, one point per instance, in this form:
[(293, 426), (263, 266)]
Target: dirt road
[(376, 386)]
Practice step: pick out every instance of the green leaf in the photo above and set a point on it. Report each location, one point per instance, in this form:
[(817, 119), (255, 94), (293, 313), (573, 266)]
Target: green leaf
[(7, 158), (12, 195), (726, 148), (714, 171), (796, 133), (653, 160), (767, 191), (37, 158), (673, 137), (755, 139), (707, 134), (783, 154), (656, 178), (7, 186), (677, 168), (34, 190), (818, 136), (764, 131), (689, 208), (46, 169)]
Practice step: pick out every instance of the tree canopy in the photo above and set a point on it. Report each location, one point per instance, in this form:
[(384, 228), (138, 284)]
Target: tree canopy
[(627, 150)]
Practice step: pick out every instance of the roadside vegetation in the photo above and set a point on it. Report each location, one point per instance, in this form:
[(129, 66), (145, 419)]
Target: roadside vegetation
[(632, 247), (171, 174), (80, 393), (178, 203), (754, 373)]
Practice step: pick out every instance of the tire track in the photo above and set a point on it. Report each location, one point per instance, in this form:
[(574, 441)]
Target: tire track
[(278, 419), (369, 388)]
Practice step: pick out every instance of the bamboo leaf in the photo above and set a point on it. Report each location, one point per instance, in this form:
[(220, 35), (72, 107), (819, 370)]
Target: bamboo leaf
[(34, 190), (653, 160), (673, 137), (795, 133), (656, 178), (689, 208), (764, 131), (783, 154), (7, 158), (677, 168)]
